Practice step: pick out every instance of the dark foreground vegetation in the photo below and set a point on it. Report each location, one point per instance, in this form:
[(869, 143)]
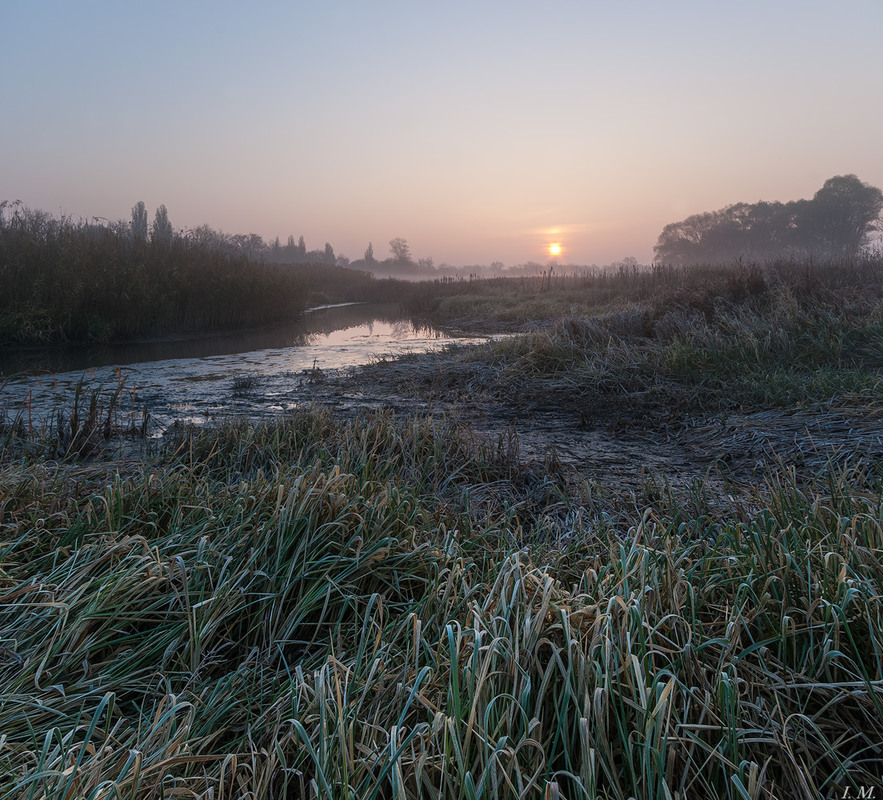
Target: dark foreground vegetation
[(76, 281), (319, 606)]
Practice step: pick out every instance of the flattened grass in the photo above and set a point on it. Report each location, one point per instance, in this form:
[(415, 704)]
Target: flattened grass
[(315, 608)]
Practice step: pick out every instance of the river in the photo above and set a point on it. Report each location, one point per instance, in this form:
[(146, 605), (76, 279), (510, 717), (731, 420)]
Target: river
[(196, 380)]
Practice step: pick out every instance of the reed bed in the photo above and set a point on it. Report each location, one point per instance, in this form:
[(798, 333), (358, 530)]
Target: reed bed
[(65, 280), (323, 608)]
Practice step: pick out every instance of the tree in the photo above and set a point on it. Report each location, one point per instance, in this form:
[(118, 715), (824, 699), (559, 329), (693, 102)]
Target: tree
[(843, 212), (329, 253), (301, 248), (682, 242), (251, 244), (400, 250), (210, 238), (162, 228), (139, 222), (369, 254), (835, 222)]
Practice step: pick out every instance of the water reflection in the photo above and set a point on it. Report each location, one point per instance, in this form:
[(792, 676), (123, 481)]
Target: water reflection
[(365, 320), (249, 373)]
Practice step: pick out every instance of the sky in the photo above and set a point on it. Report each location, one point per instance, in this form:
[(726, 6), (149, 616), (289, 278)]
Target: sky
[(478, 131)]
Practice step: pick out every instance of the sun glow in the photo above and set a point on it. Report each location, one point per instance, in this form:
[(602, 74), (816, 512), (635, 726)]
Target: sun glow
[(555, 249)]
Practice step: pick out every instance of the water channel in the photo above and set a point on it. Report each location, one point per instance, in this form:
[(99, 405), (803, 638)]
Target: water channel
[(197, 380)]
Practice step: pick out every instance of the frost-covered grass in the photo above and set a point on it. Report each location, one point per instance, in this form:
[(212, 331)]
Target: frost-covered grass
[(701, 340), (313, 607), (387, 607)]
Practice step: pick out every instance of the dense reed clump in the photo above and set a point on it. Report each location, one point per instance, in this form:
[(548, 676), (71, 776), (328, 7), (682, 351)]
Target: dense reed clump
[(541, 298), (324, 608), (671, 340), (77, 281)]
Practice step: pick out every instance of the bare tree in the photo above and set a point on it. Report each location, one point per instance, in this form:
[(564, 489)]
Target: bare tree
[(400, 250)]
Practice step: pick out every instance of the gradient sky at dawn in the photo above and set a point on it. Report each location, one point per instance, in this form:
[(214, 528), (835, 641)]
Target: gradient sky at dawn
[(478, 131)]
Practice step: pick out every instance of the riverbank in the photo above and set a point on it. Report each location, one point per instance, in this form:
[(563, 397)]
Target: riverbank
[(196, 381)]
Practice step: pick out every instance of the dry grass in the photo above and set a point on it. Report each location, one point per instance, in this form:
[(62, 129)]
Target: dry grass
[(660, 345)]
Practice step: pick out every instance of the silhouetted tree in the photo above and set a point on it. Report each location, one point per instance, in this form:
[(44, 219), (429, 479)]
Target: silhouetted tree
[(301, 248), (835, 222), (400, 250), (162, 228), (369, 254), (251, 244), (208, 237), (139, 222), (843, 212), (329, 253)]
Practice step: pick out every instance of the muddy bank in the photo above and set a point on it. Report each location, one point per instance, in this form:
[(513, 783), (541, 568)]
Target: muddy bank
[(245, 376), (614, 445), (618, 443)]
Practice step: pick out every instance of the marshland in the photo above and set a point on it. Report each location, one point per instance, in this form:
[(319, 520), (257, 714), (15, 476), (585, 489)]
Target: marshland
[(630, 549), (493, 412)]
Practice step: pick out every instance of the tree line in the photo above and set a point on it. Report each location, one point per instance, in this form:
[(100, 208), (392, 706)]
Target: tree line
[(835, 223)]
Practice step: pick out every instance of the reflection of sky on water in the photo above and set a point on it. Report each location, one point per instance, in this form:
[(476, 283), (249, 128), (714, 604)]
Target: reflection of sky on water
[(340, 323), (376, 331), (198, 388)]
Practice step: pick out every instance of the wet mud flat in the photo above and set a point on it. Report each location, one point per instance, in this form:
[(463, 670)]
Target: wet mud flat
[(202, 380), (620, 446), (615, 446)]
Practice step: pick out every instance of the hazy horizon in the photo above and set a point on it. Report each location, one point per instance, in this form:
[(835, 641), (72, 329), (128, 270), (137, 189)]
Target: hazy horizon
[(478, 133)]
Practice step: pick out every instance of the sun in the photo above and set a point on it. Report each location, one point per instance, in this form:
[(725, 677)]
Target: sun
[(555, 249)]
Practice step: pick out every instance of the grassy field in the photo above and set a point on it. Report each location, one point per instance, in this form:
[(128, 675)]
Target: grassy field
[(391, 607), (674, 340)]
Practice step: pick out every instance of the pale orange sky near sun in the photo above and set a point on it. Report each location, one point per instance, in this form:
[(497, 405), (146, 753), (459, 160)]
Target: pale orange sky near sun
[(478, 132)]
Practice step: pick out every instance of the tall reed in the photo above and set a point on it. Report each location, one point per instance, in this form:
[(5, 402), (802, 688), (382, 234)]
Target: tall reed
[(75, 281)]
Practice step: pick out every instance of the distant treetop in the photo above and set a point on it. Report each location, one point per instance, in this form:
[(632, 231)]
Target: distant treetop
[(835, 222)]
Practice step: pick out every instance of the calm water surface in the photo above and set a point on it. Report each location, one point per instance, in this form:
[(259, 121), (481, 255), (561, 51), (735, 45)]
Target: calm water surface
[(198, 379)]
